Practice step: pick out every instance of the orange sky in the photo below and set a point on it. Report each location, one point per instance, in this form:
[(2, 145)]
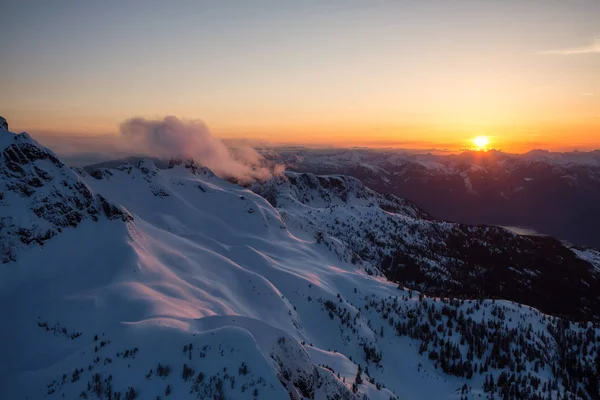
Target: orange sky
[(401, 74)]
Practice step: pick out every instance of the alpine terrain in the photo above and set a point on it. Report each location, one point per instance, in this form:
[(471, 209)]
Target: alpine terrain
[(160, 280), (550, 193)]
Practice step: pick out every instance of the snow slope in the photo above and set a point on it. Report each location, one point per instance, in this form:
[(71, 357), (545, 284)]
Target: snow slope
[(199, 289)]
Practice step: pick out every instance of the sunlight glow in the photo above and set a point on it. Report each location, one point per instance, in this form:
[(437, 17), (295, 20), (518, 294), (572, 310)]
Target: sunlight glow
[(481, 142)]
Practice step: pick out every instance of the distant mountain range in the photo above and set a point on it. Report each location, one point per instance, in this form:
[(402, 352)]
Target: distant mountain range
[(149, 278), (557, 194)]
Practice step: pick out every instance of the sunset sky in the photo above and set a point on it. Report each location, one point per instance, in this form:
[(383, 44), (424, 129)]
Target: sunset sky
[(404, 73)]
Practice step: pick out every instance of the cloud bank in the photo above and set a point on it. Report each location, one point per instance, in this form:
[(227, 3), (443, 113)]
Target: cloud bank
[(175, 138), (593, 47)]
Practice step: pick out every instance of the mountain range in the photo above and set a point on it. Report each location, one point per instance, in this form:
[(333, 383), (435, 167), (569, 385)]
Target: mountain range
[(158, 279), (556, 194)]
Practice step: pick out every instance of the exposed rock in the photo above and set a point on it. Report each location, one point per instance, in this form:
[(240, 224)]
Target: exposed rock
[(51, 196)]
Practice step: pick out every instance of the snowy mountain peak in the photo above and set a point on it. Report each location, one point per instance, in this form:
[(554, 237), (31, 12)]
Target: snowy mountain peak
[(192, 166), (330, 191), (40, 196)]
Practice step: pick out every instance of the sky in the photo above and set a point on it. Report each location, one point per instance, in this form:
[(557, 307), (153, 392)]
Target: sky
[(403, 73)]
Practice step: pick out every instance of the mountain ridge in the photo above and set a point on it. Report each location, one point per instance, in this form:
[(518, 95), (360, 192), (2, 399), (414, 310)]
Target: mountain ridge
[(30, 175), (437, 257)]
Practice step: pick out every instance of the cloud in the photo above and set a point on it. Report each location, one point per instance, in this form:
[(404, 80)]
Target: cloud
[(175, 138), (593, 47)]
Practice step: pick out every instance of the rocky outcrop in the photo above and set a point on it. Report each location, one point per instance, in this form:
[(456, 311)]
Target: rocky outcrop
[(40, 196)]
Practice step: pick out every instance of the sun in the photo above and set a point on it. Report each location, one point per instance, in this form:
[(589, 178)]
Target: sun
[(481, 142)]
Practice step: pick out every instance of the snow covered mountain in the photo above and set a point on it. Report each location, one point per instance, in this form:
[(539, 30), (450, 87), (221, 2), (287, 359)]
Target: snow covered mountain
[(43, 195), (552, 193), (173, 283), (437, 257)]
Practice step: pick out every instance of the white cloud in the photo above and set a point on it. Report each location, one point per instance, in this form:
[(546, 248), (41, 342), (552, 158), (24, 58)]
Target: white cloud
[(172, 137), (593, 47)]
